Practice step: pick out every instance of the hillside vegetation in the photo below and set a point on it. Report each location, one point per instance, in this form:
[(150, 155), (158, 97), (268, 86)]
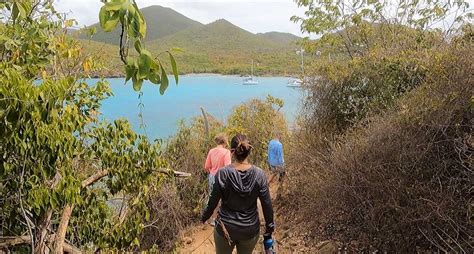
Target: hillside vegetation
[(161, 22), (222, 47), (282, 38), (218, 47), (382, 159)]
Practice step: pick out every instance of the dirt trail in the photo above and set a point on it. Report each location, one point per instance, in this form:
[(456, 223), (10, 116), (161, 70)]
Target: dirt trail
[(200, 239)]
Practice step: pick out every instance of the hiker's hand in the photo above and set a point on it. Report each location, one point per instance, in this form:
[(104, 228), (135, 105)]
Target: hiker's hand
[(267, 236)]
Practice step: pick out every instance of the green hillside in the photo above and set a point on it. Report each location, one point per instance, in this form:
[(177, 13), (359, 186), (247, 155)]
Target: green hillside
[(218, 47), (284, 38), (220, 35), (222, 47), (161, 22)]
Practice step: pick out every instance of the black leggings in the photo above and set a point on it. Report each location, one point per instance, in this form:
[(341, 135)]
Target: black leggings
[(243, 246)]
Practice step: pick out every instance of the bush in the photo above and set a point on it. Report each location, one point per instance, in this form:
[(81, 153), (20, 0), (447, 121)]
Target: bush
[(345, 92), (178, 203), (259, 120), (400, 178)]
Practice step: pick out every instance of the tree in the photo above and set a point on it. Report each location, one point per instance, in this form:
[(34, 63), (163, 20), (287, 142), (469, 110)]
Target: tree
[(353, 24), (56, 153)]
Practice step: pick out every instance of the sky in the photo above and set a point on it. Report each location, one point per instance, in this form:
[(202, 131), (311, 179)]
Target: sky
[(257, 16)]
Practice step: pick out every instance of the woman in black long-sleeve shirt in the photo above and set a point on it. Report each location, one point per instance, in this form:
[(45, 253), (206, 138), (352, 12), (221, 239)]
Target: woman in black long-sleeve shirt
[(238, 186)]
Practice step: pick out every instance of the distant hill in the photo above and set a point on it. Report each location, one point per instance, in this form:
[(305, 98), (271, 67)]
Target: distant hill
[(220, 35), (161, 22), (222, 47), (218, 47), (285, 38)]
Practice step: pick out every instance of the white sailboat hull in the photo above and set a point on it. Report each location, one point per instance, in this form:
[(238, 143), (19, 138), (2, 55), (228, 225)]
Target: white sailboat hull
[(250, 82), (294, 83)]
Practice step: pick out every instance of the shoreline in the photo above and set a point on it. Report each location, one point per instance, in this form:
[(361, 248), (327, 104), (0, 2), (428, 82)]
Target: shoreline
[(207, 74)]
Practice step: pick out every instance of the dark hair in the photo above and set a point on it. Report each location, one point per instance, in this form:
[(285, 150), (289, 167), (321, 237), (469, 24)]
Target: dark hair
[(240, 146)]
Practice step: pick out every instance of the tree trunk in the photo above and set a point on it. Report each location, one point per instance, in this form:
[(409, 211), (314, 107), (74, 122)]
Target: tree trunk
[(41, 236), (42, 232), (206, 122), (61, 232)]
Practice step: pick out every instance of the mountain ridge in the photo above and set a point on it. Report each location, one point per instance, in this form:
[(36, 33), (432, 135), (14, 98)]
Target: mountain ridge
[(164, 21), (161, 22), (218, 47)]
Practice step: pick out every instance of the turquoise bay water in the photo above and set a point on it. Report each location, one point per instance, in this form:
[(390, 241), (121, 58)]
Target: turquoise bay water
[(217, 94)]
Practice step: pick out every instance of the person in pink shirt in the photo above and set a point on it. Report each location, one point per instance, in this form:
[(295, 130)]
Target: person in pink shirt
[(217, 158)]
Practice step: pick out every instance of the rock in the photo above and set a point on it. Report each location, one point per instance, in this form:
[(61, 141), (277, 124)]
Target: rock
[(187, 240), (327, 247)]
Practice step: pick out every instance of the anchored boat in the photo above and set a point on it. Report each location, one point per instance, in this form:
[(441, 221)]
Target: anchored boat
[(250, 80)]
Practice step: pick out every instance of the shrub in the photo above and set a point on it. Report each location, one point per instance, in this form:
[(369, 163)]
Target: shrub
[(259, 120), (400, 179), (178, 203)]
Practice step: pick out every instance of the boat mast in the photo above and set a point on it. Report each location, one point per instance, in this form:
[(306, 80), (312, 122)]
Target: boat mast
[(301, 52), (251, 75), (302, 61)]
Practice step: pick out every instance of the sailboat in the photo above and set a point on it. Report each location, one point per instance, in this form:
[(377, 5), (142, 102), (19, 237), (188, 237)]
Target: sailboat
[(296, 82), (250, 80)]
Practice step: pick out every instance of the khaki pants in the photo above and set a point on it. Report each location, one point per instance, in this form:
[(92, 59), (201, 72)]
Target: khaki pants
[(243, 247)]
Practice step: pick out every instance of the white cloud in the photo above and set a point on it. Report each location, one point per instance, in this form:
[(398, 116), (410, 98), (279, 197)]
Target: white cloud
[(255, 16)]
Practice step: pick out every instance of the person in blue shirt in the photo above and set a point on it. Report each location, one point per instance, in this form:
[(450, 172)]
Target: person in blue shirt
[(276, 160)]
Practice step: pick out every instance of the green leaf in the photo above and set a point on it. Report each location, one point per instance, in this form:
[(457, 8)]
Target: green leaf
[(133, 29), (164, 81), (15, 11), (103, 15), (111, 22), (138, 46), (137, 84), (130, 71), (136, 242), (144, 62), (113, 6), (174, 67), (131, 10), (154, 76), (22, 10), (140, 21)]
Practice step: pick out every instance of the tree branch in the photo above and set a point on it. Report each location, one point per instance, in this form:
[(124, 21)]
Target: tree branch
[(62, 229), (94, 178), (10, 241)]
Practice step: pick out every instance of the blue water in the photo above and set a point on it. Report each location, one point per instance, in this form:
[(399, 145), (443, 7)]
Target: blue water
[(217, 94)]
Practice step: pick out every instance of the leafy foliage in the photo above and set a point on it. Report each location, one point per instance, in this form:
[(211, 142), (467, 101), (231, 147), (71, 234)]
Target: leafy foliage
[(260, 121), (60, 162), (351, 25), (178, 203), (143, 66)]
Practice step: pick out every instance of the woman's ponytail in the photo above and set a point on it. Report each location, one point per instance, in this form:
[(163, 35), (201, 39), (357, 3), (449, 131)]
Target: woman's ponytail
[(240, 146)]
